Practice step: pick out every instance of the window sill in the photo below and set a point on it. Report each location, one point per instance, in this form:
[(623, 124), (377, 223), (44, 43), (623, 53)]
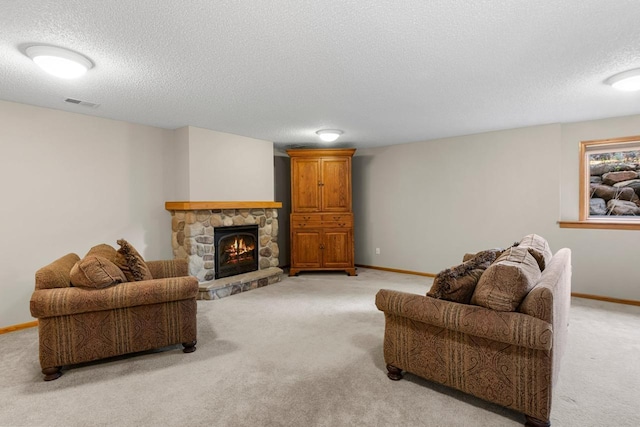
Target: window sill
[(601, 225)]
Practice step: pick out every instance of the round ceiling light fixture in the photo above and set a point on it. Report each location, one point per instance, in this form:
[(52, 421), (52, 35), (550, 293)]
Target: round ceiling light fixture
[(627, 81), (329, 135), (59, 62)]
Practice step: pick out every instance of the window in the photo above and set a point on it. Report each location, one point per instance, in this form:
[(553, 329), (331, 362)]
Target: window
[(610, 180)]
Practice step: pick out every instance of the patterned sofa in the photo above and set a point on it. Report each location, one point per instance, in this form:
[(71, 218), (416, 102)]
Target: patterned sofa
[(81, 324), (510, 358)]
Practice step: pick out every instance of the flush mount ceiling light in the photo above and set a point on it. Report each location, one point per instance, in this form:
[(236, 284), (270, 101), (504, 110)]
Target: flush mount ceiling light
[(628, 80), (59, 62), (329, 135)]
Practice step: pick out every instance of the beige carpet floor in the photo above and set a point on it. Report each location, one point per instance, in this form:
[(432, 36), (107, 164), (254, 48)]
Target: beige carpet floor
[(308, 352)]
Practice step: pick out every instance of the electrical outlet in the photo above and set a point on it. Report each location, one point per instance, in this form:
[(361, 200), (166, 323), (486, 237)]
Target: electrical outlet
[(377, 251)]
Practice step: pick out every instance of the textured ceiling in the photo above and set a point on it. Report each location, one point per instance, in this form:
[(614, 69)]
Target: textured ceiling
[(384, 71)]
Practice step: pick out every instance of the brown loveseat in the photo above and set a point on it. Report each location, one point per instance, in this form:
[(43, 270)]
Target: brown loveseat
[(78, 324), (511, 358)]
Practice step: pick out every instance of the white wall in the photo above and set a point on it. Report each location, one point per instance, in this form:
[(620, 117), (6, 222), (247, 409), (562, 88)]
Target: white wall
[(226, 167), (71, 181), (425, 204), (180, 164), (605, 262)]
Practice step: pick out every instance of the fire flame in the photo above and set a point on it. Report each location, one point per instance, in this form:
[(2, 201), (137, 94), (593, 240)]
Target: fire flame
[(237, 249)]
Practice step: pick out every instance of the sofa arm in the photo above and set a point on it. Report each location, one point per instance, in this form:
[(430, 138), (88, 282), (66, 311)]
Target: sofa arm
[(168, 268), (507, 327), (72, 300)]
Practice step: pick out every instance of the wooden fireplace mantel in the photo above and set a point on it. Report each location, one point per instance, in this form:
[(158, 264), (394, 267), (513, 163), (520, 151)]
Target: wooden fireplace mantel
[(203, 205)]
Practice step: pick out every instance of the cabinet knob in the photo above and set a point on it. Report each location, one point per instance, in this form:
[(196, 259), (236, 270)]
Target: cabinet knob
[(320, 184)]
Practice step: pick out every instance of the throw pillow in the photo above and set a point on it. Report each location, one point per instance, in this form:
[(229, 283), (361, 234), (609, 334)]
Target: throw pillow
[(95, 272), (539, 248), (458, 283), (131, 263), (503, 285), (103, 250)]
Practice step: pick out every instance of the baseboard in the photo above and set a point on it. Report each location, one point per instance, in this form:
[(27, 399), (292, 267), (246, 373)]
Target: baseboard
[(14, 328), (395, 270), (20, 326), (606, 299), (573, 294)]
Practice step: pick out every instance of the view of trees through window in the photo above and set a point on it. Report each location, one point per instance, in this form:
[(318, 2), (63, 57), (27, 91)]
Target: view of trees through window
[(614, 182)]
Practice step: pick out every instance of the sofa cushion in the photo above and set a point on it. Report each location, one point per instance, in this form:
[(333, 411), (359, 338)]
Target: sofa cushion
[(538, 302), (539, 248), (458, 283), (131, 263), (507, 281), (95, 272)]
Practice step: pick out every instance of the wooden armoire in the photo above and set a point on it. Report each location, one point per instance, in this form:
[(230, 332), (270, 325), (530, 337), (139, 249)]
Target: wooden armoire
[(321, 213)]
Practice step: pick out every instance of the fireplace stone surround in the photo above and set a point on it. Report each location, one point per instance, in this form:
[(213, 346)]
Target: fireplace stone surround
[(192, 238)]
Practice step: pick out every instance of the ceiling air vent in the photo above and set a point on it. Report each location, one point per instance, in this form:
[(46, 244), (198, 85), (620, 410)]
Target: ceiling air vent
[(83, 103)]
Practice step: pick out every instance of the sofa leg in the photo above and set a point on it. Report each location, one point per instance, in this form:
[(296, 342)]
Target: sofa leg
[(51, 374), (394, 373), (189, 347), (534, 422)]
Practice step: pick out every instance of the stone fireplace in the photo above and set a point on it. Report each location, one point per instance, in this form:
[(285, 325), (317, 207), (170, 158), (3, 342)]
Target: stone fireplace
[(194, 225)]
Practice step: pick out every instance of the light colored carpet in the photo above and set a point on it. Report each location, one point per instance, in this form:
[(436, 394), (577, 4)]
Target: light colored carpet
[(308, 352)]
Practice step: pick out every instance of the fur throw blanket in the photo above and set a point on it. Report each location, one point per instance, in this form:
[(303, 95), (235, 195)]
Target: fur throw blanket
[(458, 283)]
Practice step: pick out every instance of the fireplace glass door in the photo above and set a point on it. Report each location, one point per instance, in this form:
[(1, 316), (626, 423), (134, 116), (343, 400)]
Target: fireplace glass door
[(236, 250)]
